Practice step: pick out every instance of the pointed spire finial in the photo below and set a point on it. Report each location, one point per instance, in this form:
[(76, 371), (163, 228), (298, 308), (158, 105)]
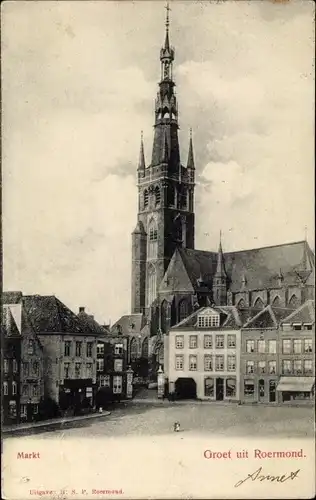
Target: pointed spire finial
[(190, 163), (141, 162), (220, 268), (305, 233)]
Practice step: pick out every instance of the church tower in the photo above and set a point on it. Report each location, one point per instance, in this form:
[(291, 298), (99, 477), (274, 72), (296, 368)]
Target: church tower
[(165, 193), (220, 279)]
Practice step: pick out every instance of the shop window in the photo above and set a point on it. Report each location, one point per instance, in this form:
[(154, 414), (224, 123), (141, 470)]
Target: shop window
[(209, 387), (231, 387), (249, 387)]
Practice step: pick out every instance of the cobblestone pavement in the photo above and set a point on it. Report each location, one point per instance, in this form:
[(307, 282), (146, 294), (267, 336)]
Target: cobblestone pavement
[(132, 419)]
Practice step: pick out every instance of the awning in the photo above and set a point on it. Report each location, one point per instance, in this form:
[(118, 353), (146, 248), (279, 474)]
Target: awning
[(296, 384)]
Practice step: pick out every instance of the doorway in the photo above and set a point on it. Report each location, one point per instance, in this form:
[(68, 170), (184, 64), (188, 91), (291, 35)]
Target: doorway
[(261, 390), (272, 391), (185, 388), (219, 389)]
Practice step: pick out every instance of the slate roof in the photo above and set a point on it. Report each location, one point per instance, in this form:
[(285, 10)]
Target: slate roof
[(90, 323), (11, 297), (129, 323), (269, 317), (259, 266), (304, 314), (49, 315)]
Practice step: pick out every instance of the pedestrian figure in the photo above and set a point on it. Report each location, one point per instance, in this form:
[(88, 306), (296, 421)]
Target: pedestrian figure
[(176, 426)]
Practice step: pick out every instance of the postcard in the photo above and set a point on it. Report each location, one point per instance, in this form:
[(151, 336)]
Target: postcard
[(158, 315)]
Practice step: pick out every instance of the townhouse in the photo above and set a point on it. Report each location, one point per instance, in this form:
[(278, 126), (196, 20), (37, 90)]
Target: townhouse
[(203, 355)]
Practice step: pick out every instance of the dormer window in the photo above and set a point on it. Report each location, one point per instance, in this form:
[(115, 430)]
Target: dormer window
[(208, 320), (297, 326)]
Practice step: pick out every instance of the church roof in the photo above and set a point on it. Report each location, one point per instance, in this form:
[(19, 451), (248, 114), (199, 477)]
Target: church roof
[(260, 267)]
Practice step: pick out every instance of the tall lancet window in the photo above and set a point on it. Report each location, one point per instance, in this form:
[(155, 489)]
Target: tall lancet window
[(152, 232), (152, 285)]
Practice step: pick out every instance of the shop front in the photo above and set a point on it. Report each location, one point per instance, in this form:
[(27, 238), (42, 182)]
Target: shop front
[(77, 395), (296, 390)]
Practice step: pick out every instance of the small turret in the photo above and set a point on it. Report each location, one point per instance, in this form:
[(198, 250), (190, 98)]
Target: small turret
[(220, 278)]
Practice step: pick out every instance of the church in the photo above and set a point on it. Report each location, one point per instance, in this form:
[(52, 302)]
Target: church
[(170, 278)]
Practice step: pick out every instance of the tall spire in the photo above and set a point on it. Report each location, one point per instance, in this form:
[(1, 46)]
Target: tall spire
[(220, 268), (190, 163), (141, 162)]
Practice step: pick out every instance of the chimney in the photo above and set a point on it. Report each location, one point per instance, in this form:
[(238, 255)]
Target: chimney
[(81, 310)]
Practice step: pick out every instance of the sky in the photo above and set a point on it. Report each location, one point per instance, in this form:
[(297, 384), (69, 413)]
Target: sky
[(79, 81)]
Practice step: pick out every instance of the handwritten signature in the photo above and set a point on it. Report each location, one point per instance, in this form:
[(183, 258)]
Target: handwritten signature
[(268, 477)]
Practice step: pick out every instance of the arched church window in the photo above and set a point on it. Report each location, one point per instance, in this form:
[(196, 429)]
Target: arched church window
[(259, 303), (241, 303), (164, 316), (157, 196), (133, 349), (152, 285), (294, 302), (178, 228), (276, 301), (145, 348), (183, 309), (152, 250), (146, 198), (171, 196)]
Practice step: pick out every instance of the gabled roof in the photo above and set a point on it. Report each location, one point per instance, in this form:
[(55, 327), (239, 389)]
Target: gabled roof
[(261, 266), (129, 324), (229, 317), (304, 314), (91, 324), (269, 317), (252, 269), (49, 315)]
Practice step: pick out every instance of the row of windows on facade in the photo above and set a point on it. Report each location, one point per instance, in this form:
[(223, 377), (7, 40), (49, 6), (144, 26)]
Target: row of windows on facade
[(105, 381), (14, 388), (118, 349), (296, 366), (174, 198), (289, 346), (78, 349), (118, 365), (229, 387), (207, 341), (249, 387), (6, 365), (27, 389), (210, 362)]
